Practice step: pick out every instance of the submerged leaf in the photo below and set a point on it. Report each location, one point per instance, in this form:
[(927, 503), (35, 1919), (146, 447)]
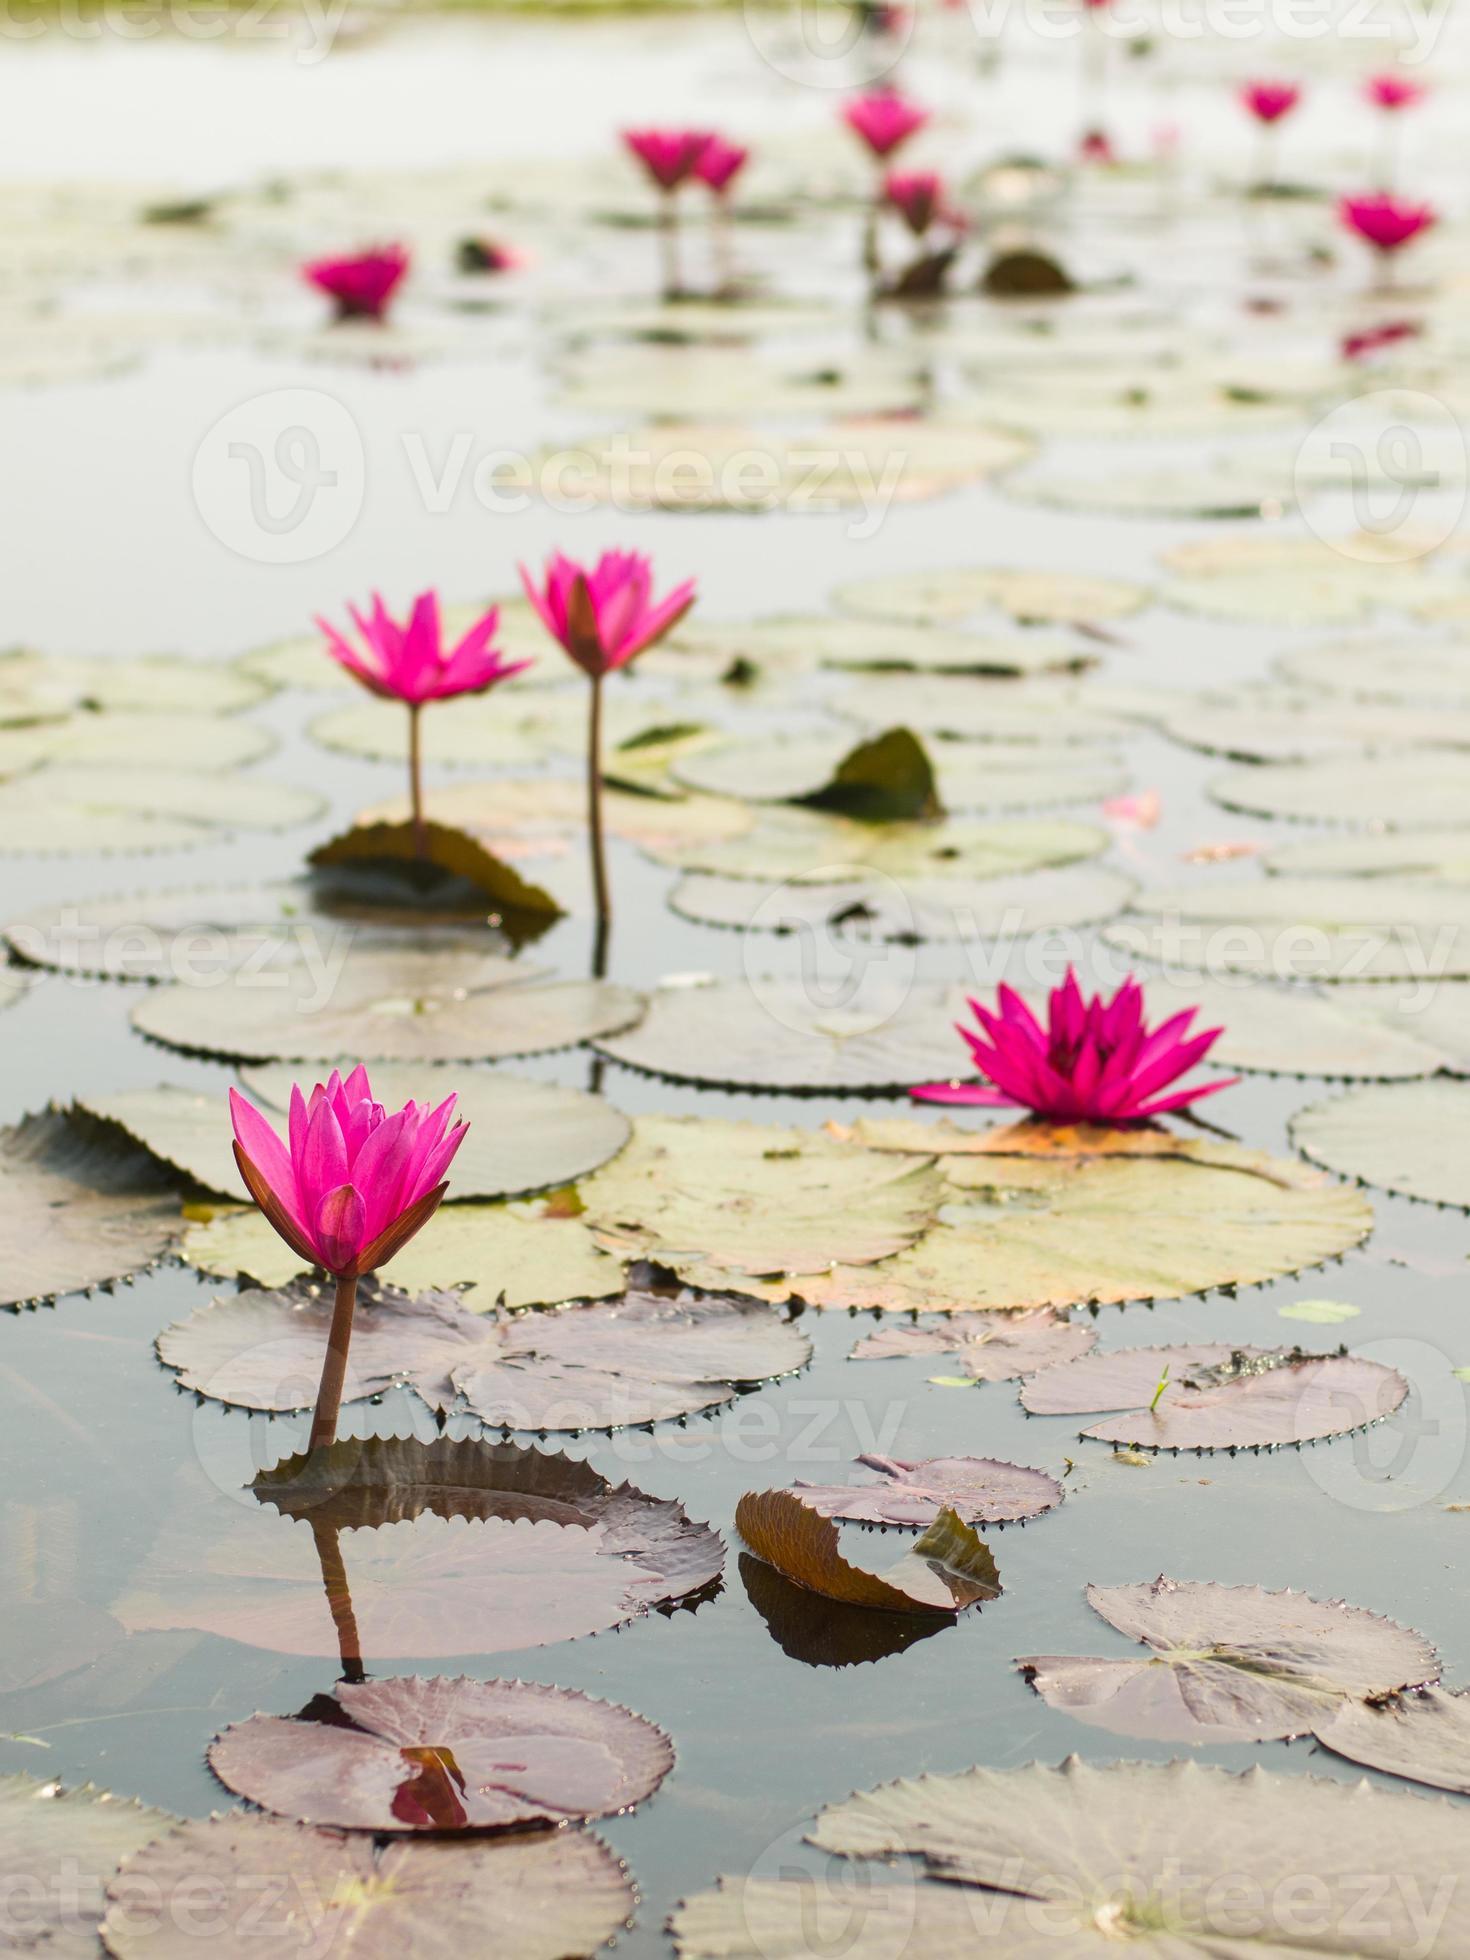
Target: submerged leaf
[(947, 1569)]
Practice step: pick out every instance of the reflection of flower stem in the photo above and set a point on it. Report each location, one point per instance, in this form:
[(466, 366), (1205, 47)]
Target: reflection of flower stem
[(594, 803), (416, 780), (334, 1368), (1159, 1391), (339, 1599)]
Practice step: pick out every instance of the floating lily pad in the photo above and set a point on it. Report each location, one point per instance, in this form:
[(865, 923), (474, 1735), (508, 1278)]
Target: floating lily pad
[(968, 707), (1434, 673), (989, 1347), (548, 1895), (1401, 853), (412, 1754), (34, 685), (1274, 724), (1413, 789), (947, 1569), (86, 1833), (649, 1355), (133, 741), (706, 1196), (440, 863), (82, 1208), (71, 809), (524, 1136), (772, 1034), (1039, 1860), (948, 598), (530, 1252), (1409, 1137), (401, 1007), (924, 908), (1437, 1017), (877, 644), (674, 382), (431, 1550), (534, 821), (817, 848), (1423, 1736), (1288, 928), (1230, 1663), (976, 1488), (1245, 490), (1291, 1031), (1217, 1397), (1031, 1230)]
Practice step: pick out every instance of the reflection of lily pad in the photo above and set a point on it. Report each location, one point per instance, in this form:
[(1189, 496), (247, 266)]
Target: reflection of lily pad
[(408, 1007), (1409, 1137), (989, 1347), (1217, 1397), (647, 1356), (444, 1755), (1229, 1663)]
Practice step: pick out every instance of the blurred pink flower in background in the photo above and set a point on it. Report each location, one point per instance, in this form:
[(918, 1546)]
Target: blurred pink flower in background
[(1357, 346), (884, 119), (918, 197), (720, 163), (1095, 146), (670, 156), (1393, 92), (1268, 102), (361, 285), (1384, 221)]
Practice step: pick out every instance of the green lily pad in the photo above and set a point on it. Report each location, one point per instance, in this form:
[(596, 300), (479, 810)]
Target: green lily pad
[(815, 847), (46, 684), (1409, 1137), (1293, 1031), (1276, 724), (950, 598), (75, 809), (1410, 789), (133, 741), (1426, 673), (1046, 712)]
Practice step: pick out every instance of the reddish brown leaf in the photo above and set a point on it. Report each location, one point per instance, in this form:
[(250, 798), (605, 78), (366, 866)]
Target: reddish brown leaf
[(948, 1569)]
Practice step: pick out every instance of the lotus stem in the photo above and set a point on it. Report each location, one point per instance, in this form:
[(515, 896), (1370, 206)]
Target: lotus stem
[(594, 804), (724, 254), (668, 231), (334, 1368), (339, 1599), (416, 780)]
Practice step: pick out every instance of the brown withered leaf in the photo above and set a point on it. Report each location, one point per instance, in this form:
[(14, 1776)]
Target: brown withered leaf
[(417, 1754), (946, 1570)]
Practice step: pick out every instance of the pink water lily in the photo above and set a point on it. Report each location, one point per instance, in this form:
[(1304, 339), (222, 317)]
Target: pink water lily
[(670, 156), (409, 661), (884, 119), (720, 163), (1358, 346), (1384, 221), (604, 616), (1094, 1061), (347, 1189), (1268, 102), (1393, 92), (917, 196), (361, 285)]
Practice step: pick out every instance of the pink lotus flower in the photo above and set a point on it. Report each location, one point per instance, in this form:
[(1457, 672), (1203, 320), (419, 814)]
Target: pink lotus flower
[(719, 164), (488, 255), (353, 1184), (606, 616), (1268, 102), (1393, 92), (1094, 1062), (883, 119), (917, 196), (670, 156), (1096, 147), (411, 663), (1357, 346), (361, 286), (1386, 222)]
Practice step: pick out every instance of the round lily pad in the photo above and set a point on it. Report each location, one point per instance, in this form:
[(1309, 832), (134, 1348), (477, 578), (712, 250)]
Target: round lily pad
[(397, 1007), (524, 1136), (948, 598), (1245, 490), (1276, 724), (969, 707), (1292, 1031), (772, 1034), (1409, 1137), (133, 741), (1428, 673), (83, 1832), (818, 848), (988, 1347), (82, 1207), (646, 1356), (1230, 1663), (36, 684), (914, 908), (1424, 1736), (482, 730), (1151, 1217), (416, 1754), (1435, 1017), (75, 809), (977, 1488), (1411, 789), (548, 1895), (1215, 1397), (1379, 854)]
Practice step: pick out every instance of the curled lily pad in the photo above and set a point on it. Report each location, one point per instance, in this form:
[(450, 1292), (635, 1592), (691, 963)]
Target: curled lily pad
[(947, 1569), (1409, 1137), (815, 847), (396, 1007), (411, 1550), (948, 598), (1230, 1663), (437, 862), (528, 1252), (1030, 1861), (771, 1034), (1420, 788), (1424, 1736), (1044, 1219), (69, 809), (524, 1136), (85, 1832), (989, 1347), (650, 1354), (907, 909), (706, 1196), (1217, 1397), (415, 1754), (82, 1207), (978, 1489), (547, 1895)]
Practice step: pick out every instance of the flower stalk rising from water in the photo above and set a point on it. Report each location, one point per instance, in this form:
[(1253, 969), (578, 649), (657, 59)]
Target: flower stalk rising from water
[(603, 616), (347, 1189), (671, 157), (410, 662), (1093, 1061)]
